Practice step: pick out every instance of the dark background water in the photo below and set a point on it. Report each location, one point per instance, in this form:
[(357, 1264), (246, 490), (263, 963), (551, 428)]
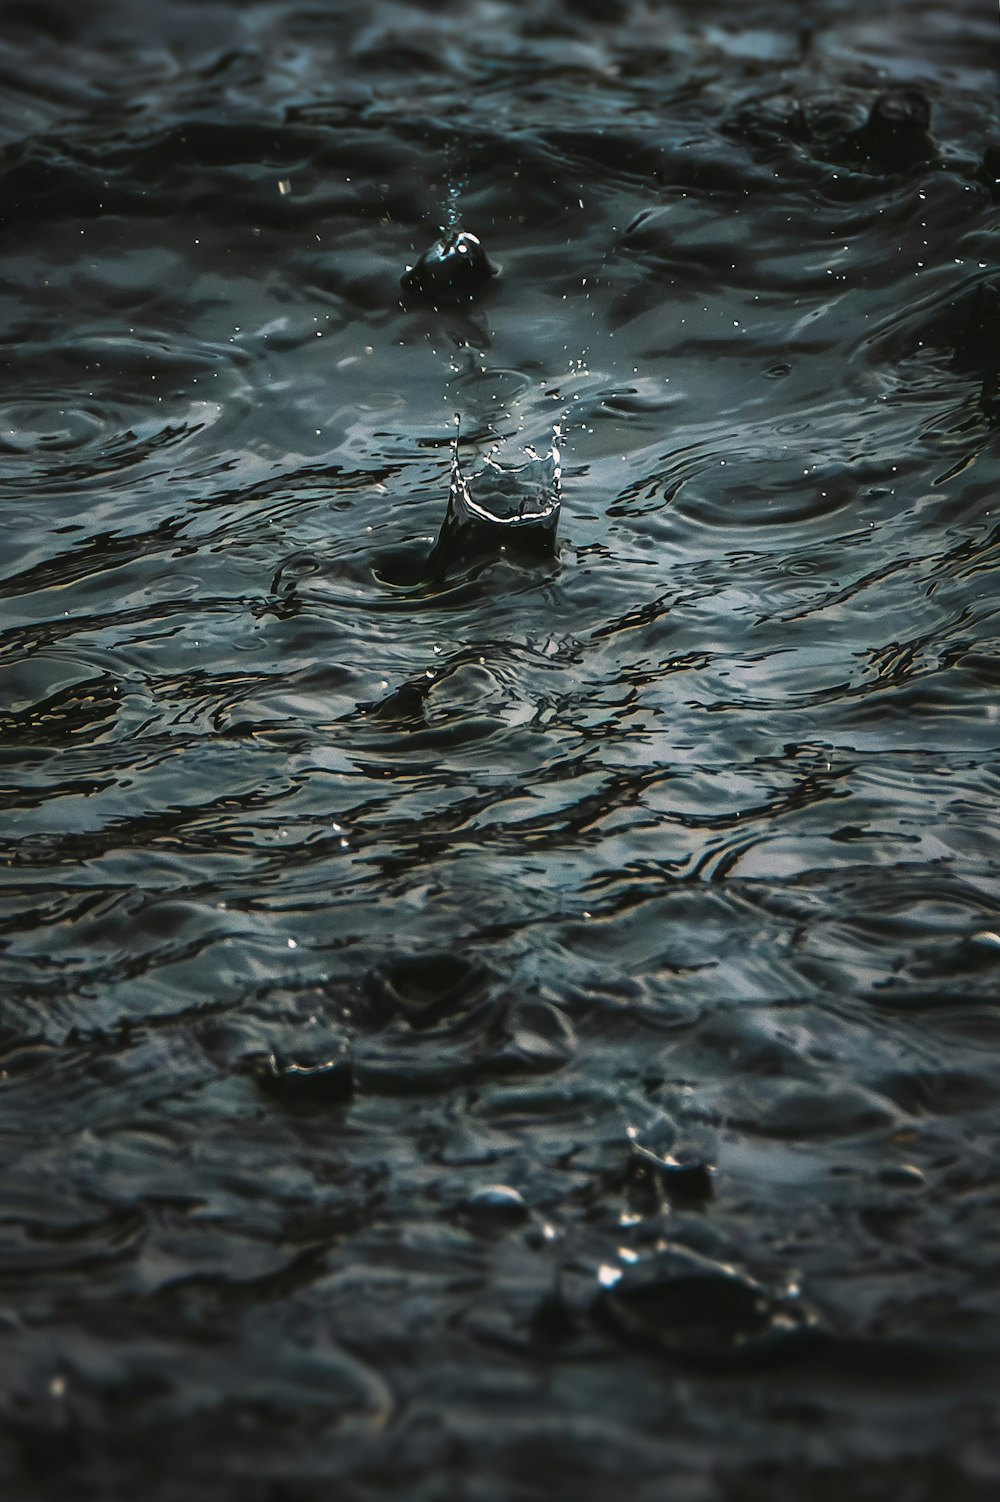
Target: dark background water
[(684, 841)]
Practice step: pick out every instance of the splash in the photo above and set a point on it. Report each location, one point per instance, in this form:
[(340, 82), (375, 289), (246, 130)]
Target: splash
[(503, 507)]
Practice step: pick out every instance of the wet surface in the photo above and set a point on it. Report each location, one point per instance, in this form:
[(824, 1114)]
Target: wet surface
[(528, 1028)]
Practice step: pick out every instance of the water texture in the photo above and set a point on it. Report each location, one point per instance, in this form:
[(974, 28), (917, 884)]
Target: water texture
[(531, 1029)]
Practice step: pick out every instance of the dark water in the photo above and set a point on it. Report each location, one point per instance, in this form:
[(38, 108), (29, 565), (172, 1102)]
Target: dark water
[(656, 883)]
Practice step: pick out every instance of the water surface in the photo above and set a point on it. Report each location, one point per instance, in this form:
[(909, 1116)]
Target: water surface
[(684, 840)]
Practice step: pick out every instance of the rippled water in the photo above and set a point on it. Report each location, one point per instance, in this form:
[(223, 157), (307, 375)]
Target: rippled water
[(531, 1031)]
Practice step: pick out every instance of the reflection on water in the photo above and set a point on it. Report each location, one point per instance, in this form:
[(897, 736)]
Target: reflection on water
[(499, 945)]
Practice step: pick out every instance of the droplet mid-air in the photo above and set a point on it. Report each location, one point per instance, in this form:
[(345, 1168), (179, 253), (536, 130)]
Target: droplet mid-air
[(453, 270)]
